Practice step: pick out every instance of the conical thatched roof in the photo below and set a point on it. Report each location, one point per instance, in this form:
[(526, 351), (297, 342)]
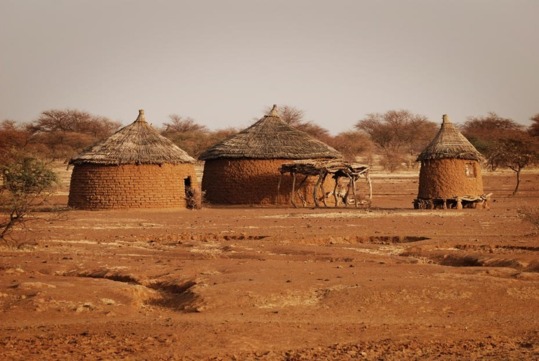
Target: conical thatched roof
[(449, 143), (271, 138), (137, 143)]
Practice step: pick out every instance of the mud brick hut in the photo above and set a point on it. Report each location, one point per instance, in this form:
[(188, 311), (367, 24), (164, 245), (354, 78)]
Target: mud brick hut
[(244, 169), (450, 174), (135, 167)]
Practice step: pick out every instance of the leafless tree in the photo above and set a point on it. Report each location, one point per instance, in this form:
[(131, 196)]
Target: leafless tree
[(296, 118), (534, 127), (65, 132), (182, 125), (399, 135), (192, 137), (354, 144)]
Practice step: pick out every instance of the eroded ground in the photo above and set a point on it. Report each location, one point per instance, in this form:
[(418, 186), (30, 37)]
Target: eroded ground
[(390, 283)]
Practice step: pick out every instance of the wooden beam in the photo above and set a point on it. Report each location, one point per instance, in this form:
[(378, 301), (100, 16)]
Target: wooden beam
[(320, 175), (353, 180), (323, 190), (335, 191), (292, 193)]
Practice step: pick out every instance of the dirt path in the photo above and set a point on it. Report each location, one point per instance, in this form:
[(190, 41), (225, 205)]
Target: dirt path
[(390, 283)]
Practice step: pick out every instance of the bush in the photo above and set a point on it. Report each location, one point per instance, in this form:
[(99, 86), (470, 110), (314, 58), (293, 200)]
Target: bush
[(26, 182), (530, 214)]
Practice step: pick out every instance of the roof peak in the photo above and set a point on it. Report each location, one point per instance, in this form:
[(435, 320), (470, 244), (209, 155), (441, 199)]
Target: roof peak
[(445, 119), (141, 117), (449, 143), (273, 112)]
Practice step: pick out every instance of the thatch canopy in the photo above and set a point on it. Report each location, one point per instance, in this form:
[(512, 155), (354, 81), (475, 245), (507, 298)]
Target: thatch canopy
[(137, 143), (271, 138), (315, 168), (449, 143)]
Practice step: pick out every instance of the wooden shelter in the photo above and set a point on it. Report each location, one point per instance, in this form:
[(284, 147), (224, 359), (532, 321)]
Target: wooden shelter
[(343, 192), (136, 167), (244, 169), (450, 174)]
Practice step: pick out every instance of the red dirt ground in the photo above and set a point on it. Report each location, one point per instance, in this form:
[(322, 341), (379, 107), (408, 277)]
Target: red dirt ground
[(389, 283)]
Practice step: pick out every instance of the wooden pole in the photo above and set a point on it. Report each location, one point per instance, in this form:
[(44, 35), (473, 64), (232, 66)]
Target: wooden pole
[(323, 190), (335, 191), (316, 189), (370, 187), (303, 201), (353, 180), (278, 189), (292, 193)]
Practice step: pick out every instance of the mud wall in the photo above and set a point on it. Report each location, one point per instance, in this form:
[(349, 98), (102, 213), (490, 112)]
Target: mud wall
[(448, 178), (130, 186), (253, 181)]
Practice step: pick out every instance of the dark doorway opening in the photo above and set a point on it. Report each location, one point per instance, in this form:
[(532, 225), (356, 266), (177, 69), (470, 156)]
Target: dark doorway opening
[(191, 195)]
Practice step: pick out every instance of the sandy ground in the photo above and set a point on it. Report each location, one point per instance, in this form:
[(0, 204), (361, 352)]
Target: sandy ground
[(389, 283)]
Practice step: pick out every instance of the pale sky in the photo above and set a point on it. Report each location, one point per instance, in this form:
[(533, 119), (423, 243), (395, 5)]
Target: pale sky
[(223, 62)]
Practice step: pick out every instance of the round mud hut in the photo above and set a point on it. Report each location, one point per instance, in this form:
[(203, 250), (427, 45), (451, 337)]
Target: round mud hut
[(245, 168), (136, 167), (450, 174)]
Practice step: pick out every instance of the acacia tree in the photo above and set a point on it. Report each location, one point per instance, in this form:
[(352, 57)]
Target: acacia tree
[(503, 142), (516, 151), (180, 124), (353, 144), (485, 133), (296, 118), (534, 127), (290, 115), (399, 134), (13, 136), (26, 181), (65, 132), (192, 137)]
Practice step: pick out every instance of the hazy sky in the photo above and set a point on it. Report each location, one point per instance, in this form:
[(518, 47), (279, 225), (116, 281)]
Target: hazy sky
[(223, 62)]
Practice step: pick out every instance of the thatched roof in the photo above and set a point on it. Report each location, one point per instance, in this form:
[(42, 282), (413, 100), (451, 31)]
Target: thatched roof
[(137, 143), (271, 138), (449, 143)]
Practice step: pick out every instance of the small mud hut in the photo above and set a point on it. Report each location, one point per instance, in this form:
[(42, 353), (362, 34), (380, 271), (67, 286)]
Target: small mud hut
[(450, 174), (245, 168), (136, 167)]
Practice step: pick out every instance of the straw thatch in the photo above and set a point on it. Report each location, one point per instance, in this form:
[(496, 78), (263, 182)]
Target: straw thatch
[(137, 143), (271, 138), (313, 167), (449, 143)]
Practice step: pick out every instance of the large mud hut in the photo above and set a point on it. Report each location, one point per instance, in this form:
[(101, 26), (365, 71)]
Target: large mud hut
[(450, 174), (244, 169), (136, 167)]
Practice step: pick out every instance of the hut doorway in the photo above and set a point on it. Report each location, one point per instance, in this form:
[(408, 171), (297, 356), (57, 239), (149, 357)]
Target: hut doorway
[(187, 183), (191, 198)]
